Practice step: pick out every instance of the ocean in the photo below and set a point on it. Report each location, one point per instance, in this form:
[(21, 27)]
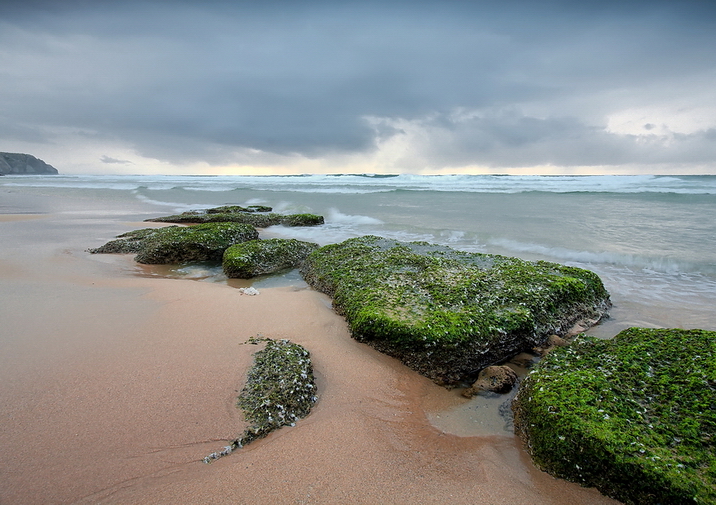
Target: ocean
[(652, 239)]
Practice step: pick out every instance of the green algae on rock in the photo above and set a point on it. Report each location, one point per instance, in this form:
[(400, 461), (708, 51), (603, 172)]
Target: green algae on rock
[(280, 389), (447, 313), (258, 216), (634, 416), (260, 257), (180, 244)]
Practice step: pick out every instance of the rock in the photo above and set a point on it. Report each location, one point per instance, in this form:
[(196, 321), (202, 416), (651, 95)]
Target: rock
[(301, 220), (251, 291), (261, 257), (280, 390), (496, 379), (226, 209), (552, 342), (22, 164), (447, 313), (254, 215), (179, 244), (634, 416)]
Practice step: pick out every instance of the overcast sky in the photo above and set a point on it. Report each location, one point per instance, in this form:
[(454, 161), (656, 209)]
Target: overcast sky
[(360, 86)]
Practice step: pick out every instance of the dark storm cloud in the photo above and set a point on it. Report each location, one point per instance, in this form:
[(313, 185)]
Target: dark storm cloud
[(201, 81)]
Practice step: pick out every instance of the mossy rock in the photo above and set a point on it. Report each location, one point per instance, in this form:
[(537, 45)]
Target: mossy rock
[(634, 416), (280, 389), (175, 244), (447, 313), (261, 257), (126, 243), (254, 215), (237, 208), (302, 220)]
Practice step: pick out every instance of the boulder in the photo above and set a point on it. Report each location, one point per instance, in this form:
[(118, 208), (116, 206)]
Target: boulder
[(24, 164), (634, 416), (447, 313), (179, 244), (495, 379), (261, 257)]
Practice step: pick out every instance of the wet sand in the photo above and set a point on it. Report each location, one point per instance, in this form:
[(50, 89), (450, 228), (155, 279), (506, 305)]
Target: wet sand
[(114, 386)]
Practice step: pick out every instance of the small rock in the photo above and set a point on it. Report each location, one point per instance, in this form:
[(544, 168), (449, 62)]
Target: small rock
[(497, 379), (556, 341), (552, 342), (249, 291)]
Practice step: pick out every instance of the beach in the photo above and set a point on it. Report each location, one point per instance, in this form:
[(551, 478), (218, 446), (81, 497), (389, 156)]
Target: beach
[(116, 382)]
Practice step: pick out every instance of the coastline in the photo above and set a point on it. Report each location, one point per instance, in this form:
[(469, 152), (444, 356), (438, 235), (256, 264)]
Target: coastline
[(114, 386)]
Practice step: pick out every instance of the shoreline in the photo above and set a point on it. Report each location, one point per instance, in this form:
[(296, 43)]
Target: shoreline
[(115, 386)]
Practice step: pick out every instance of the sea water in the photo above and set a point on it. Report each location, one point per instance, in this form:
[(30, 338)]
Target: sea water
[(652, 239)]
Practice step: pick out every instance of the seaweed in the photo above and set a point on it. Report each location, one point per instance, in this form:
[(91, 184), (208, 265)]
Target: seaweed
[(280, 389), (634, 416), (448, 313)]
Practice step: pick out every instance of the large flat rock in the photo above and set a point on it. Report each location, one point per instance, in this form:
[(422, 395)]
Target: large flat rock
[(448, 313)]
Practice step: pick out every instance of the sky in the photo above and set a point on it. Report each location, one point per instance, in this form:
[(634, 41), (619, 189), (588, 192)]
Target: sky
[(319, 86)]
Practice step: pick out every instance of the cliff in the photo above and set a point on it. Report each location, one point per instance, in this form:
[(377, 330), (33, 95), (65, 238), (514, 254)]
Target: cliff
[(16, 163)]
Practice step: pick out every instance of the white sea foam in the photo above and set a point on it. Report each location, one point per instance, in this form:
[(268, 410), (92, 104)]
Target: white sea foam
[(561, 254), (176, 207), (336, 216), (365, 184)]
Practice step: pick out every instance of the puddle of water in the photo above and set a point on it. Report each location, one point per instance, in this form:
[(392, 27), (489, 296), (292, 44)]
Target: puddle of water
[(210, 271), (487, 414)]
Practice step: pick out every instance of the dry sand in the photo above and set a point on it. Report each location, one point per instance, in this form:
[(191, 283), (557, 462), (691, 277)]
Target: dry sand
[(113, 387)]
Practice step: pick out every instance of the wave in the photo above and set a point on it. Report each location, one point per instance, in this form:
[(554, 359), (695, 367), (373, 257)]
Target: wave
[(635, 262), (336, 216), (380, 183)]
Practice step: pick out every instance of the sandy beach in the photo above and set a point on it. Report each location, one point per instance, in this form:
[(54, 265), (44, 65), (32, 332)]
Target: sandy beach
[(114, 386)]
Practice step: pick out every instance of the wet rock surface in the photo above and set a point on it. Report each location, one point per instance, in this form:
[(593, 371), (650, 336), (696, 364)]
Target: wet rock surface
[(255, 215), (262, 257), (280, 389), (634, 416), (447, 313), (179, 244), (495, 379)]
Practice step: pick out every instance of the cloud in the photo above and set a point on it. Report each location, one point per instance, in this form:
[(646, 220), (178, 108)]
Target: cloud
[(509, 139), (450, 83), (107, 159)]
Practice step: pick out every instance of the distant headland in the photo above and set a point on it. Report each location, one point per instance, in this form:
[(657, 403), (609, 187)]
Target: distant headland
[(24, 164)]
